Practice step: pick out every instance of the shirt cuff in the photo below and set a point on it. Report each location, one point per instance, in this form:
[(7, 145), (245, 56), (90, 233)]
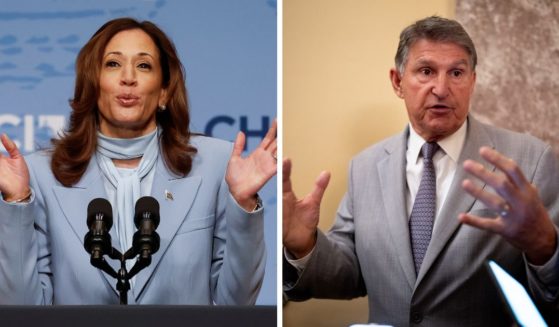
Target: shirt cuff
[(299, 264), (259, 205), (548, 271), (20, 203), (547, 275)]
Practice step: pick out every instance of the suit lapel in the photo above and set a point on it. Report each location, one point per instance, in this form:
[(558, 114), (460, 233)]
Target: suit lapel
[(74, 202), (457, 200), (392, 175), (172, 213)]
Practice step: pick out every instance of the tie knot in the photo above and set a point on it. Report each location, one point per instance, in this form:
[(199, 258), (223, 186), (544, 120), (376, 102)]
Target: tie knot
[(429, 149)]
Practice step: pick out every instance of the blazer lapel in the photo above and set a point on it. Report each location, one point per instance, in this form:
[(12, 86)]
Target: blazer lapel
[(74, 202), (457, 200), (392, 175), (173, 211)]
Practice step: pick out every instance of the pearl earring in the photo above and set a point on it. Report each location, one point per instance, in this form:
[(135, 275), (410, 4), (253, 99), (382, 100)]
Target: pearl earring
[(162, 107)]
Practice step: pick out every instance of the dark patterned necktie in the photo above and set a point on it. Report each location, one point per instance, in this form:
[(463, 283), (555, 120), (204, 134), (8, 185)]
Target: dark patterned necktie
[(424, 207)]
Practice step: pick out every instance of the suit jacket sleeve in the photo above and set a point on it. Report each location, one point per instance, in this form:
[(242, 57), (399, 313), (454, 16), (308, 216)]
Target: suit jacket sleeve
[(239, 254), (544, 282), (25, 276), (333, 270)]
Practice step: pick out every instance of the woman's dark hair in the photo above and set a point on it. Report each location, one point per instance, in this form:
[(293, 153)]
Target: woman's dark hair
[(76, 145)]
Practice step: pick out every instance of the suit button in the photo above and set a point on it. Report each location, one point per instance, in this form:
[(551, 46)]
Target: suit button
[(416, 317)]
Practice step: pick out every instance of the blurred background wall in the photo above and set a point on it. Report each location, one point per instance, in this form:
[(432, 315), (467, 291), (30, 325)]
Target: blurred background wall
[(517, 42)]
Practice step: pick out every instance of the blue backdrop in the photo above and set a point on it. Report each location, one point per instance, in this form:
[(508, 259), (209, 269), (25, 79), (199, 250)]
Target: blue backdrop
[(228, 49)]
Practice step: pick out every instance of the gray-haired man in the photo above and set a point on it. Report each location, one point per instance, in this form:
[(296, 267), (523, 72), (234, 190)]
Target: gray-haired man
[(413, 230)]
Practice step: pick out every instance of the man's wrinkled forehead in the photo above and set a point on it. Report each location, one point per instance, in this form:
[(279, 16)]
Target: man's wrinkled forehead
[(467, 59)]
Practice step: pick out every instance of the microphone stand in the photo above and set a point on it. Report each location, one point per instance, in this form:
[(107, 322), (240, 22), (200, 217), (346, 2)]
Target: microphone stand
[(144, 243), (123, 276)]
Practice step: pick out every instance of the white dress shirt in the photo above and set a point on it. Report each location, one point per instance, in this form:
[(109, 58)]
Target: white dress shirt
[(445, 161)]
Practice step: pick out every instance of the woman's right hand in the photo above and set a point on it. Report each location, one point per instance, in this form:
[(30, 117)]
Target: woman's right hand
[(14, 174)]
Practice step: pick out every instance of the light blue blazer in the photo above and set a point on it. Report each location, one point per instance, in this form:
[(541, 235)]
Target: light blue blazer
[(212, 251)]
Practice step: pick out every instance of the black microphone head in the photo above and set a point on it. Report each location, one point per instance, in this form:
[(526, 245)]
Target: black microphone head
[(100, 206), (147, 205)]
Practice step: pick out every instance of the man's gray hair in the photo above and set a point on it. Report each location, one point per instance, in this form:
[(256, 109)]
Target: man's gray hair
[(435, 29)]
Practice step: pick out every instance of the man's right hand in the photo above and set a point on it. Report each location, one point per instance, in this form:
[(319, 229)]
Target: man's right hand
[(14, 175), (300, 217)]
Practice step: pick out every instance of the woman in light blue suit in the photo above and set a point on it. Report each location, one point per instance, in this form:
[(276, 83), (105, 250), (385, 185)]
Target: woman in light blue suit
[(128, 137)]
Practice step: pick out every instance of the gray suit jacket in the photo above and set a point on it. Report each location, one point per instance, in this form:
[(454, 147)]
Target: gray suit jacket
[(368, 251), (212, 251)]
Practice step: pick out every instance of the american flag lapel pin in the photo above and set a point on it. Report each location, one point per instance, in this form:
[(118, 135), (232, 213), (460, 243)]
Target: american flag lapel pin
[(168, 195)]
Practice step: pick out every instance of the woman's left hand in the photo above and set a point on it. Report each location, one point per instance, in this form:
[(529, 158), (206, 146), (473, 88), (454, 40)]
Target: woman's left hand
[(246, 176)]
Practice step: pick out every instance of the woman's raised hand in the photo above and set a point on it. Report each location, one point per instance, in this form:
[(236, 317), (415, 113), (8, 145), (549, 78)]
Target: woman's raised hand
[(14, 175), (246, 176)]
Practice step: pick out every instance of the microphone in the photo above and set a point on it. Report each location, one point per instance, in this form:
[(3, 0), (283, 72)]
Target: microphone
[(99, 220), (146, 218)]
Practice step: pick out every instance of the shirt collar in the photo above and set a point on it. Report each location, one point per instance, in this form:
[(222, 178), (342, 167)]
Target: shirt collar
[(452, 145)]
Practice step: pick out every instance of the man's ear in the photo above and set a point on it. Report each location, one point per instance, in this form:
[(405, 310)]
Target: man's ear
[(396, 81)]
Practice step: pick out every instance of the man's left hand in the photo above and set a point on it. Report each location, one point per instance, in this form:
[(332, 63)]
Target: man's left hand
[(522, 218)]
